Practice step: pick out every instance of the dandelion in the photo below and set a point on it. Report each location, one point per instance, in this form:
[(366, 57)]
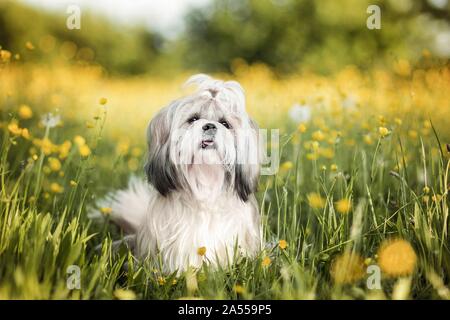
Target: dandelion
[(84, 150), (413, 134), (106, 211), (64, 149), (302, 128), (25, 112), (56, 188), (282, 244), (318, 135), (136, 152), (50, 121), (344, 206), (347, 268), (299, 113), (73, 183), (266, 262), (34, 157), (5, 55), (26, 134), (367, 139), (397, 257), (161, 281), (54, 163), (29, 46), (47, 147), (315, 145), (239, 289), (334, 167), (315, 201), (123, 294), (383, 131), (285, 166), (14, 128), (201, 251), (79, 141), (103, 101)]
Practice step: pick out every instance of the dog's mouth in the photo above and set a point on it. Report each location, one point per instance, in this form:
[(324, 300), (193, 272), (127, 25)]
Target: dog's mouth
[(207, 144)]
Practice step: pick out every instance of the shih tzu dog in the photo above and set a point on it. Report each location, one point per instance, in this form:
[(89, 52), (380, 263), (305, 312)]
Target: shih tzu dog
[(202, 169)]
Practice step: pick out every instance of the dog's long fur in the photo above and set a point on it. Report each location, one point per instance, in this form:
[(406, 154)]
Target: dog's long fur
[(202, 181)]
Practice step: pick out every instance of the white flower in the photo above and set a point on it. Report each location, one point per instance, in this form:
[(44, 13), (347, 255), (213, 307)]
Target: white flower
[(49, 120), (300, 113), (349, 103)]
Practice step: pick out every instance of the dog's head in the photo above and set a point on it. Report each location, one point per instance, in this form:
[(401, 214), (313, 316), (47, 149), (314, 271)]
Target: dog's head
[(205, 143)]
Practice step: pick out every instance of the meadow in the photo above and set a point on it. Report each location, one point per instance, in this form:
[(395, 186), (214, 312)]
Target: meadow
[(362, 185)]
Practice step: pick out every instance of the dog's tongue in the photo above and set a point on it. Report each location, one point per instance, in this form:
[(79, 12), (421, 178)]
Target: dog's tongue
[(206, 143)]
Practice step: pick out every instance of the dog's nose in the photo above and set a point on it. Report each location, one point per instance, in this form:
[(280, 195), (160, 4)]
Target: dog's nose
[(209, 126)]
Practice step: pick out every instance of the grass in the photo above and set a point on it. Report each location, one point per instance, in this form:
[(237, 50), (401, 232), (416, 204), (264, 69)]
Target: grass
[(350, 178)]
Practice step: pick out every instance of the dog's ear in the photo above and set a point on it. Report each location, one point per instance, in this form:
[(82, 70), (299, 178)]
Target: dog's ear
[(246, 171), (161, 173)]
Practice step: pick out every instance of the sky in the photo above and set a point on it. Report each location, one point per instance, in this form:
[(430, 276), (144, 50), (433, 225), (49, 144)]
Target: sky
[(160, 15)]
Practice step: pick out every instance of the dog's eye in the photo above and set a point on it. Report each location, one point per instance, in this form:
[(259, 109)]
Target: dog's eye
[(225, 124), (193, 119)]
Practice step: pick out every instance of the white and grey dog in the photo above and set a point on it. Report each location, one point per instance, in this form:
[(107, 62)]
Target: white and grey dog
[(203, 168)]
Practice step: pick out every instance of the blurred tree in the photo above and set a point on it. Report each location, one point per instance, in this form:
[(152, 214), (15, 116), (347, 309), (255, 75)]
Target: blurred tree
[(119, 49), (292, 34)]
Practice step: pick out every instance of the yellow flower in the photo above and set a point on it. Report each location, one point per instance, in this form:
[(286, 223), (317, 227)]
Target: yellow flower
[(123, 294), (301, 128), (64, 149), (46, 146), (287, 165), (54, 163), (201, 251), (56, 188), (282, 244), (29, 45), (123, 147), (347, 268), (103, 101), (316, 201), (239, 289), (426, 190), (318, 135), (14, 128), (26, 133), (266, 262), (397, 257), (106, 211), (5, 55), (161, 281), (84, 150), (413, 134), (79, 141), (136, 152), (398, 121), (368, 139), (35, 157), (344, 206), (383, 131), (315, 145), (334, 167), (73, 183), (25, 112), (133, 164)]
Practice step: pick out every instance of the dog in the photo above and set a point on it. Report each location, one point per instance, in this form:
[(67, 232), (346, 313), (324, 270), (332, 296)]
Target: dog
[(202, 168)]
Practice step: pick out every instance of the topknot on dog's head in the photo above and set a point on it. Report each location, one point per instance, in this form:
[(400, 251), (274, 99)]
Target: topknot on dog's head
[(227, 91)]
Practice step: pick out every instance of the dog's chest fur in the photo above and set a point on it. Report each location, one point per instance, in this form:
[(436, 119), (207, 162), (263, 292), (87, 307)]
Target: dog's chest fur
[(176, 229)]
